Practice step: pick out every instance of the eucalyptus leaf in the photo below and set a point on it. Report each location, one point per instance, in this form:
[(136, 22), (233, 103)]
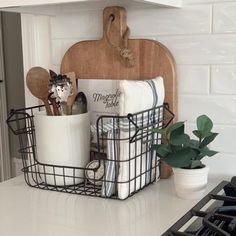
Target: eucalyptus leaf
[(178, 131), (180, 159), (197, 133), (196, 164), (204, 125), (178, 150), (200, 156), (174, 126), (161, 150), (207, 152), (208, 140), (194, 144), (182, 139)]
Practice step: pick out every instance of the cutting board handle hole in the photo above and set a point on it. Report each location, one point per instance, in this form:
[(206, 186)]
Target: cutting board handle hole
[(113, 17)]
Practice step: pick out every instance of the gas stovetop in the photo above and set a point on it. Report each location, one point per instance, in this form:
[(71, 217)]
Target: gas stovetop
[(214, 215)]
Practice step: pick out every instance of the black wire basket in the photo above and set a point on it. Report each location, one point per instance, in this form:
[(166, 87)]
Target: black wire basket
[(122, 161)]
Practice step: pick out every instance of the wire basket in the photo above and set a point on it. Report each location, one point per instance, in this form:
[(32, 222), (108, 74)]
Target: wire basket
[(122, 161)]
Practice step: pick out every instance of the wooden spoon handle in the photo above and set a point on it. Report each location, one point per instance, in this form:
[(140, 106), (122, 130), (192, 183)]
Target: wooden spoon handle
[(47, 106), (69, 109), (54, 106), (71, 98)]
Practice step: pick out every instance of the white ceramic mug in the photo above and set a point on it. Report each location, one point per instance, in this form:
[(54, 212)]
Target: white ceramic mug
[(62, 141)]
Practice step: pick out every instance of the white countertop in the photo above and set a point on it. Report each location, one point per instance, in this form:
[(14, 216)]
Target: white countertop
[(26, 211)]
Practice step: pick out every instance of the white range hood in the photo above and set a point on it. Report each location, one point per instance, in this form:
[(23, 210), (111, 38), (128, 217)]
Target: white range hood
[(17, 3), (52, 7)]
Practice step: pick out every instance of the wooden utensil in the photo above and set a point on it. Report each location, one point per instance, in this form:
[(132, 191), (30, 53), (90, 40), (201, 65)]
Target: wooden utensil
[(71, 98), (54, 104), (37, 81)]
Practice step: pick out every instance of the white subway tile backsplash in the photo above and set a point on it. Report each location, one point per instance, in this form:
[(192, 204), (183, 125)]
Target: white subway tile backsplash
[(84, 24), (222, 166), (223, 79), (186, 20), (225, 133), (202, 50), (193, 79), (56, 51), (224, 18), (221, 109), (59, 48)]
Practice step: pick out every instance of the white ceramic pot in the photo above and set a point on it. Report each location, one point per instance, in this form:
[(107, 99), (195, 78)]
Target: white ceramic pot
[(190, 183), (62, 141)]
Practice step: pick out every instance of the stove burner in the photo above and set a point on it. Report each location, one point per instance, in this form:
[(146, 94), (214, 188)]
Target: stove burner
[(218, 220), (230, 188), (220, 224)]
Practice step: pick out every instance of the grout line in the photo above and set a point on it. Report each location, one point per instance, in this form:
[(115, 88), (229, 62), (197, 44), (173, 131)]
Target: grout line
[(201, 35), (191, 35), (227, 153), (210, 79), (233, 64), (207, 2), (215, 124), (212, 18), (205, 65), (154, 36), (208, 95)]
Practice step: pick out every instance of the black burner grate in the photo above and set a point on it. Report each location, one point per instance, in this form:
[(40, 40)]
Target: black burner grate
[(218, 220)]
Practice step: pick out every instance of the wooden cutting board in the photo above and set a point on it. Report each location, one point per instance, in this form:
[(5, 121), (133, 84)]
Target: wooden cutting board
[(98, 59)]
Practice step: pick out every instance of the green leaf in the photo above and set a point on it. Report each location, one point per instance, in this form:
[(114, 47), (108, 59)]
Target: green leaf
[(176, 148), (175, 126), (182, 139), (196, 164), (204, 125), (178, 131), (208, 140), (197, 133), (206, 152), (161, 150), (180, 159), (194, 144), (200, 156), (211, 153)]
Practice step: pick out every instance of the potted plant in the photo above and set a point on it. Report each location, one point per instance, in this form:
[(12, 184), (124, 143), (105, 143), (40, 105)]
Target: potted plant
[(184, 155)]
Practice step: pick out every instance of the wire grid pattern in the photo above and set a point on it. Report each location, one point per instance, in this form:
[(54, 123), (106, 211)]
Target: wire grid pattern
[(132, 132)]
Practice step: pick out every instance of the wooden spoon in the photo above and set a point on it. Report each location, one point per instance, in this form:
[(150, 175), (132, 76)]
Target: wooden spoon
[(37, 81), (71, 98)]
